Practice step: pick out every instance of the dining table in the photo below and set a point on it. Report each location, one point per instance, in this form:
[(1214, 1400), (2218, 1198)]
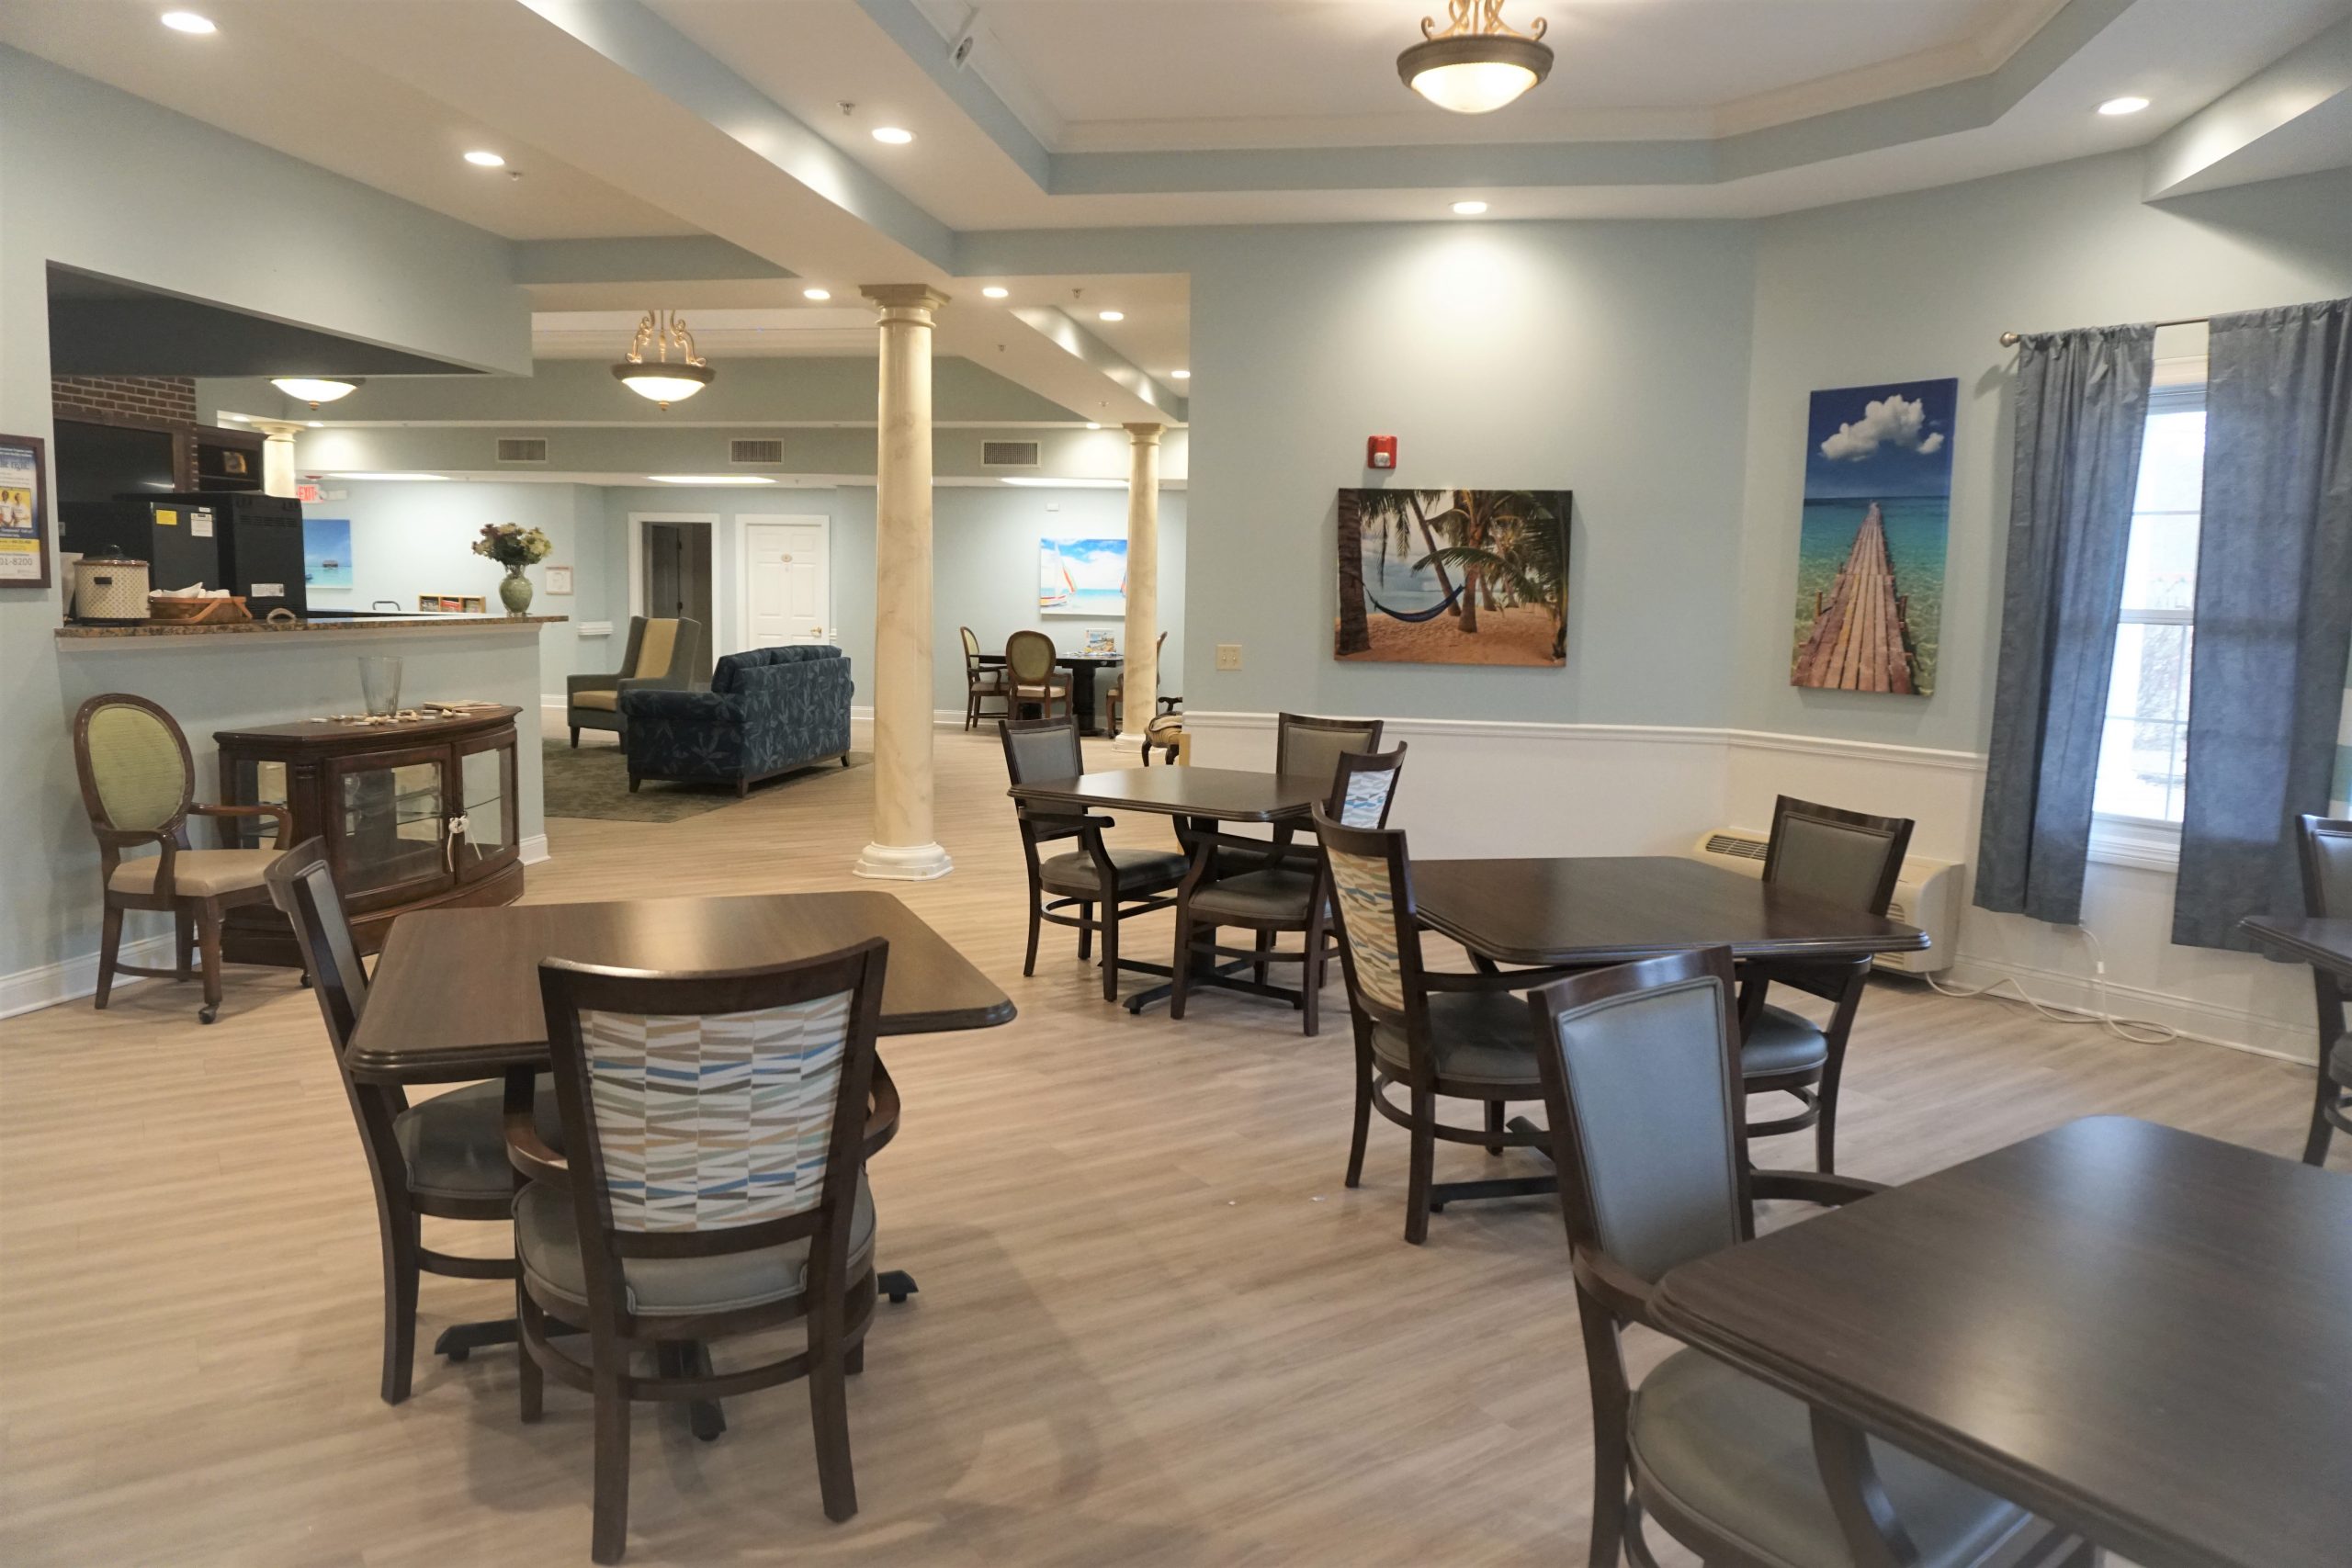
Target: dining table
[(1081, 668), (2140, 1335), (455, 997), (1199, 800), (2321, 943)]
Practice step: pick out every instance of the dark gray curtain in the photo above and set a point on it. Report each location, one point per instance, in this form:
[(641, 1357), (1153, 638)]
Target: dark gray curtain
[(2274, 612), (2082, 408)]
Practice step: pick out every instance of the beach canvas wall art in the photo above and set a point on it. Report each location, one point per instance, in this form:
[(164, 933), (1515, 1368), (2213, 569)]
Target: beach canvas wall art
[(1870, 548), (1453, 577), (326, 552), (1082, 577)]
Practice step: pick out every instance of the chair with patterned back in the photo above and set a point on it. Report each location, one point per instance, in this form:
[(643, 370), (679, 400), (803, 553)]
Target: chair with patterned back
[(1412, 1030), (1281, 898), (1124, 883), (2327, 895), (1307, 746), (662, 655), (980, 683), (138, 787), (1847, 858), (1642, 1095), (1030, 675), (716, 1125), (445, 1157), (1114, 699)]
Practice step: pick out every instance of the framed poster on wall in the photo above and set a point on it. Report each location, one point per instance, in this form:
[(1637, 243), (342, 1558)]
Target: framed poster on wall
[(24, 512)]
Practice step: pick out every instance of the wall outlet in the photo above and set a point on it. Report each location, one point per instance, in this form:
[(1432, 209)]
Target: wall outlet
[(1228, 656)]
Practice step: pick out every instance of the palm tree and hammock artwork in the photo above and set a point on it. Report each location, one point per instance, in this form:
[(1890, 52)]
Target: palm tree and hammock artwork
[(1453, 577)]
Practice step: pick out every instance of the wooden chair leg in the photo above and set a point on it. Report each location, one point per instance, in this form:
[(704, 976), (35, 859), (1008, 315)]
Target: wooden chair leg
[(1086, 933), (208, 939), (531, 1383), (1424, 1160), (109, 952), (400, 1271), (1495, 1127), (1179, 977), (1364, 1117), (2322, 1130), (1029, 964), (1263, 943), (1110, 950), (855, 1362), (184, 930), (829, 1412), (610, 1535), (575, 738)]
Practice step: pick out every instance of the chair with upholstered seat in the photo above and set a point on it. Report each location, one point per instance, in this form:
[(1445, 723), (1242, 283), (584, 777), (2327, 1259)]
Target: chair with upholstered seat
[(139, 787), (1436, 1042), (445, 1157), (981, 684), (1291, 896), (716, 1129), (1846, 858), (659, 657), (2327, 895), (1122, 883), (1030, 676), (1307, 746), (1644, 1102)]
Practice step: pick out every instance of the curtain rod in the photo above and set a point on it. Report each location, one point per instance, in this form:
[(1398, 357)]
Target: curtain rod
[(2010, 340)]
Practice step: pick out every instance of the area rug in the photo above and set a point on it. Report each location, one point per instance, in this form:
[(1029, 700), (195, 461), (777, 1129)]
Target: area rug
[(594, 781)]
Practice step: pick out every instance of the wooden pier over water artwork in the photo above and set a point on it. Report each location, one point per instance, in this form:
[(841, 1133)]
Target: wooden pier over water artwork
[(1860, 641)]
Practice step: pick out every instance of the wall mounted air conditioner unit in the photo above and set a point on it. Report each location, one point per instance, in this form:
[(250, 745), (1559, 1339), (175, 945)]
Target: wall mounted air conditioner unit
[(1927, 895)]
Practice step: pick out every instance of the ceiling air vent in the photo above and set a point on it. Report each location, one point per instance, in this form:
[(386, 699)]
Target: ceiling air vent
[(766, 451), (1007, 454), (522, 449)]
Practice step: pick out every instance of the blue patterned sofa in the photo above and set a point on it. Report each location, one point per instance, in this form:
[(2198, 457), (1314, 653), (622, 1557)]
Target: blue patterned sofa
[(767, 712)]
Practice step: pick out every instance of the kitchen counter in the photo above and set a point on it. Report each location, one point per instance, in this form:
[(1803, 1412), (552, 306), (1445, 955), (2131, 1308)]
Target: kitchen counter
[(346, 625)]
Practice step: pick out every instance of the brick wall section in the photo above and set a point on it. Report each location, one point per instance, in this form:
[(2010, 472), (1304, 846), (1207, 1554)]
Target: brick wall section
[(167, 400)]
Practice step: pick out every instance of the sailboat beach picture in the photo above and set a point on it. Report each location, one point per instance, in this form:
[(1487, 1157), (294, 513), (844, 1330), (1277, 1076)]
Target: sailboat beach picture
[(1453, 577), (1082, 577), (1871, 551)]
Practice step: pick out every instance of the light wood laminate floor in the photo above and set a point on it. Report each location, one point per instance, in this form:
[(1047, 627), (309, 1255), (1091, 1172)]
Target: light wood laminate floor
[(1153, 1327)]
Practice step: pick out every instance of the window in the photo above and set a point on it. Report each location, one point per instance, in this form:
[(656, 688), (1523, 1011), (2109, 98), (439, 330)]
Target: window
[(2143, 754)]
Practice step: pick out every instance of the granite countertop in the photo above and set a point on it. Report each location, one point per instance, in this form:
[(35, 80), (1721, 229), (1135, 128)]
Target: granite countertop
[(295, 628)]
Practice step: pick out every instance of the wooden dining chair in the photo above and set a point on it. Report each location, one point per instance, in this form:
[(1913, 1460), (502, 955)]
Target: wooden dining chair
[(2327, 895), (1030, 675), (1847, 858), (138, 787), (1115, 698), (981, 684), (1461, 1044), (445, 1157), (1120, 883), (1303, 744), (1294, 897), (715, 1186)]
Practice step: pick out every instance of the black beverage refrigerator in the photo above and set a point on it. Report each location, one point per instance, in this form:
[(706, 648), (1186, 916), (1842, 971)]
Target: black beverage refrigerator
[(246, 542)]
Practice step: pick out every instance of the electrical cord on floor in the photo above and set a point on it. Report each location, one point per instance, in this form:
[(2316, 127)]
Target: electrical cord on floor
[(2138, 1030)]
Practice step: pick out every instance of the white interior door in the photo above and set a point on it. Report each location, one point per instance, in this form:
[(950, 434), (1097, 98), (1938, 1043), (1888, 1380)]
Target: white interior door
[(787, 580)]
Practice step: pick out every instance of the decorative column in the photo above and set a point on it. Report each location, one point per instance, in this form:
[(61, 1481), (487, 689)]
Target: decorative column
[(903, 848), (278, 470), (1140, 681)]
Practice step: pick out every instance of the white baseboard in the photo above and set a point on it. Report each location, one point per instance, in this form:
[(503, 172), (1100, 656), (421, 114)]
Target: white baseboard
[(29, 990), (2204, 1021), (535, 848)]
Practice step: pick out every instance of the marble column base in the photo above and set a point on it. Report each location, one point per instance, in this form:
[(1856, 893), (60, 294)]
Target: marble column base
[(903, 862)]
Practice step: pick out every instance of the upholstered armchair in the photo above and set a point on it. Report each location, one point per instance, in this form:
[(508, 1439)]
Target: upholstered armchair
[(660, 657), (768, 711)]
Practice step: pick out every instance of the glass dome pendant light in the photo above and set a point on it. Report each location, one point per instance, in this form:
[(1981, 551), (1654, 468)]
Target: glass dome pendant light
[(649, 370), (1477, 63)]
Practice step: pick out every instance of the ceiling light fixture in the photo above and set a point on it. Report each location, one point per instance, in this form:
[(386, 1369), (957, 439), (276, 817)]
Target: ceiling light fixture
[(316, 390), (1112, 316), (1062, 484), (2123, 106), (1179, 375), (818, 294), (392, 479), (189, 22), (662, 380), (1478, 62), (895, 136), (483, 159), (993, 292), (1468, 209), (1092, 424), (710, 479)]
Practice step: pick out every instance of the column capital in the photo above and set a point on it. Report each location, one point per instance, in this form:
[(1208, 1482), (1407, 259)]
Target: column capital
[(1146, 435), (903, 295)]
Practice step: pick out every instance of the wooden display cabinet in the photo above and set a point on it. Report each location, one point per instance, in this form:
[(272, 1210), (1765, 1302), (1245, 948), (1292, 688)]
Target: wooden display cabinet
[(418, 815)]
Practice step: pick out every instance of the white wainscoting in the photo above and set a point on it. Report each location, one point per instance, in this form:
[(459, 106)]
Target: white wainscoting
[(1480, 787)]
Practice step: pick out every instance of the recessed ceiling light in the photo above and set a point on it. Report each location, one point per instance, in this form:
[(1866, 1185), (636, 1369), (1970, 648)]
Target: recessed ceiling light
[(897, 136), (993, 292), (1091, 424), (1112, 316), (316, 424), (1179, 375), (390, 479), (189, 22), (816, 294), (1468, 209), (2123, 105), (710, 479), (483, 159)]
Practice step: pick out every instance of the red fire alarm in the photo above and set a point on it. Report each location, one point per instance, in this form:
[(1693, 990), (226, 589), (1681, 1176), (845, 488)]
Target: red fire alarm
[(1380, 452)]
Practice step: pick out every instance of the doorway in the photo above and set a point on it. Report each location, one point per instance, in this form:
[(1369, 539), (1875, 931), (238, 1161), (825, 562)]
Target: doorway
[(787, 580), (669, 575)]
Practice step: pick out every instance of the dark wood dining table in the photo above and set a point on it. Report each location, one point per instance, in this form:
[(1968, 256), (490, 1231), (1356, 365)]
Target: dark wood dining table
[(2324, 945), (2140, 1334), (1199, 800), (455, 994), (1081, 668)]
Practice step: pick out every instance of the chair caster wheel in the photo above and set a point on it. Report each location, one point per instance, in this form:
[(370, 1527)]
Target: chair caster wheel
[(205, 1015)]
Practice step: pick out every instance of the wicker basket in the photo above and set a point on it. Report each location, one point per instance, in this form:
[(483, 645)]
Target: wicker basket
[(199, 612)]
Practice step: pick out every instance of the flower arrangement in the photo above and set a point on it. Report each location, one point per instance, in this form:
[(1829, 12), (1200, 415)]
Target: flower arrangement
[(511, 544)]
